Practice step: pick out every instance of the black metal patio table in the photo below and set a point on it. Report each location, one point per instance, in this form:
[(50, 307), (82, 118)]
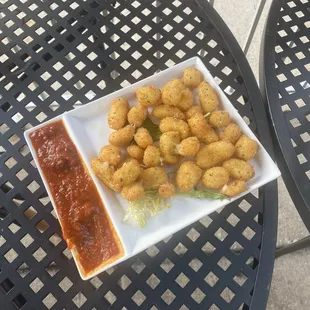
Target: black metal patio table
[(55, 56), (285, 79)]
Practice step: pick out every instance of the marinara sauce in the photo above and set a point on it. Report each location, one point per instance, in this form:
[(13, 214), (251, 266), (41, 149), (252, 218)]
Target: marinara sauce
[(86, 226)]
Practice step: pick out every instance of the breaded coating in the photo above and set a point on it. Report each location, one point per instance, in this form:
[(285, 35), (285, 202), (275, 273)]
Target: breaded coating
[(127, 159), (239, 169), (214, 154), (137, 115), (128, 173), (163, 111), (167, 144), (234, 188), (151, 156), (118, 113), (110, 154), (166, 190), (208, 98), (192, 111), (133, 191), (102, 169), (135, 152), (105, 173), (172, 92), (246, 148), (176, 83), (219, 119), (187, 100), (192, 77), (153, 177), (148, 96), (198, 144), (215, 178), (231, 133), (188, 175), (143, 138), (173, 124), (200, 128), (171, 159), (189, 147), (123, 136)]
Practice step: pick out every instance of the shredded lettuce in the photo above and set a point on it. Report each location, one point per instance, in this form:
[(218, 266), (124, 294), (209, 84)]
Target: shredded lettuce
[(204, 194), (150, 205)]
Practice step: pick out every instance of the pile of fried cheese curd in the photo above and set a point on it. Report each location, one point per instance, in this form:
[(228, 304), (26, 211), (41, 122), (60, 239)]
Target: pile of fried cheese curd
[(199, 140)]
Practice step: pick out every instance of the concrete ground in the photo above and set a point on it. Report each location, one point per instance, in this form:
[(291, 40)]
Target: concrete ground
[(291, 278)]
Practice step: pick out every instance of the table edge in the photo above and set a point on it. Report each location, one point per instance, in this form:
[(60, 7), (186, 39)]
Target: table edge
[(267, 254), (268, 81)]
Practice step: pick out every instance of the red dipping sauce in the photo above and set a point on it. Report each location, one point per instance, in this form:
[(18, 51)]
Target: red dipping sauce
[(86, 226)]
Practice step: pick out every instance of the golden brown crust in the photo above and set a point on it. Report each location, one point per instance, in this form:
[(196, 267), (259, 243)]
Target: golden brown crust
[(148, 96), (208, 97), (118, 113), (143, 138), (135, 152), (231, 133), (200, 128), (137, 115), (189, 147), (219, 119), (163, 111), (110, 154), (123, 136), (154, 177), (214, 154), (246, 148), (173, 124), (133, 191), (239, 169), (166, 190), (188, 175), (215, 178), (192, 77), (151, 156), (234, 188)]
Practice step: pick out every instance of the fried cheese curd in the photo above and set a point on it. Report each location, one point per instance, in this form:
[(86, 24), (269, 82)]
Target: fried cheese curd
[(195, 137)]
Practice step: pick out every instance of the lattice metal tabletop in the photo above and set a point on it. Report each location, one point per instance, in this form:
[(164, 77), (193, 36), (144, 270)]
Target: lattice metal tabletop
[(286, 80), (58, 55)]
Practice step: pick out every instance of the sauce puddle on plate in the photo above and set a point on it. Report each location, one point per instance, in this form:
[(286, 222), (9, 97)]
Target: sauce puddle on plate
[(86, 226)]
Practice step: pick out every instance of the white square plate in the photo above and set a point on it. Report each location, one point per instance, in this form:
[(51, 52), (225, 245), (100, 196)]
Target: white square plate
[(89, 130)]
